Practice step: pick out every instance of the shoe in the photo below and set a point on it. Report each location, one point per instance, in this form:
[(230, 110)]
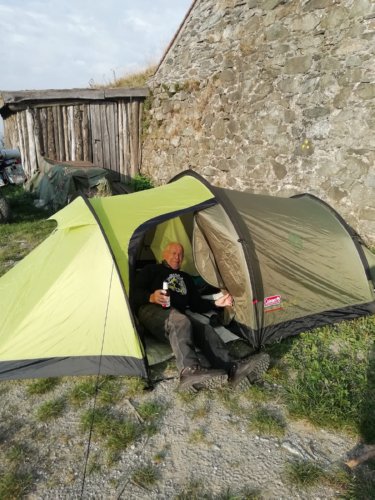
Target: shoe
[(251, 368), (196, 374)]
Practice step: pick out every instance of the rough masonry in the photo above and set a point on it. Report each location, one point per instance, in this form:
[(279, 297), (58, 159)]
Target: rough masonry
[(273, 96)]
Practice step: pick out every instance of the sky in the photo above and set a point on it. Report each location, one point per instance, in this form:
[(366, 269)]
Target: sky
[(63, 44)]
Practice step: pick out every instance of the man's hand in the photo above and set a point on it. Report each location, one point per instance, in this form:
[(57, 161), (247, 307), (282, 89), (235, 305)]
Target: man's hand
[(158, 297), (225, 300)]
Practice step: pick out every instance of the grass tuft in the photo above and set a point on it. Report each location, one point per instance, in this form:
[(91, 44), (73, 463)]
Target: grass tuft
[(17, 453), (117, 432), (267, 422), (198, 436), (150, 410), (15, 484), (107, 387), (193, 491), (134, 79), (304, 473), (51, 409), (145, 476), (42, 386)]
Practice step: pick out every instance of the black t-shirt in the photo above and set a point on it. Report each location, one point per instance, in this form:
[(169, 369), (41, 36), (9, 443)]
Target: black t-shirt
[(182, 289)]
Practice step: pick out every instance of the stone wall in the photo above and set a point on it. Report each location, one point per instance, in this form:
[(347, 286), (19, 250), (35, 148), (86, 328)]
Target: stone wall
[(273, 97)]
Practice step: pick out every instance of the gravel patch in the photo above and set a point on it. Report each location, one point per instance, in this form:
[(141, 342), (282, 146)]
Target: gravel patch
[(199, 440)]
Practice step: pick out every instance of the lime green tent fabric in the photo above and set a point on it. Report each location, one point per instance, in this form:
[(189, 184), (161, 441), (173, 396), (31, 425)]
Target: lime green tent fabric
[(122, 216), (64, 307), (290, 264)]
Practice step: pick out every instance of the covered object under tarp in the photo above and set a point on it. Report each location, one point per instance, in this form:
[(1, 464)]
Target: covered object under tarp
[(57, 183)]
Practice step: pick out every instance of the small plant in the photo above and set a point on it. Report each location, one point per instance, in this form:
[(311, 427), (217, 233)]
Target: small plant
[(133, 386), (257, 394), (15, 484), (230, 399), (17, 453), (141, 182), (117, 432), (198, 436), (145, 476), (245, 494), (187, 397), (193, 491), (362, 486), (150, 410), (267, 422), (304, 473), (83, 391), (160, 455), (51, 409), (108, 389), (200, 412), (42, 386)]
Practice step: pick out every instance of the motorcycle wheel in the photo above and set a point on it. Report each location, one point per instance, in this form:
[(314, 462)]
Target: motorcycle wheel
[(4, 210)]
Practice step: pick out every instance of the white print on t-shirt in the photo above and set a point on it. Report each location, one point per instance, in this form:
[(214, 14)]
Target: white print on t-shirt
[(176, 283)]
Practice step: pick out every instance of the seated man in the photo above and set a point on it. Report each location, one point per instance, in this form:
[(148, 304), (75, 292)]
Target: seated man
[(185, 335)]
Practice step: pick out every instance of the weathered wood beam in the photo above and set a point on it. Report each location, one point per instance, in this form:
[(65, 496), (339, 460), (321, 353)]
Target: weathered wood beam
[(17, 100)]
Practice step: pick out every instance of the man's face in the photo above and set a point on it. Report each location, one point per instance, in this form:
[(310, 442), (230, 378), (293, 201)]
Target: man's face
[(174, 255)]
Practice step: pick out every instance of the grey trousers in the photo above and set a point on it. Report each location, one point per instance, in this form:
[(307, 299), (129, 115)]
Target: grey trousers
[(185, 335)]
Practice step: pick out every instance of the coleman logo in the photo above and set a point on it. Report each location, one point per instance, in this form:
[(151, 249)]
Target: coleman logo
[(273, 300)]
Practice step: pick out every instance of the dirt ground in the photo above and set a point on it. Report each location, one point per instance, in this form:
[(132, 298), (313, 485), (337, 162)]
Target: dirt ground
[(204, 447)]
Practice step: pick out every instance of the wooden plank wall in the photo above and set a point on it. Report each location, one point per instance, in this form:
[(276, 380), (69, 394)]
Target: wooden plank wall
[(104, 133)]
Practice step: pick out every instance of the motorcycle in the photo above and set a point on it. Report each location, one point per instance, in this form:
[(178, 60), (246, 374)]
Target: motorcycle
[(11, 172), (11, 169)]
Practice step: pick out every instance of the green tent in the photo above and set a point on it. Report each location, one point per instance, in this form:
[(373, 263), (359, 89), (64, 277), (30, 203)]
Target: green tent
[(291, 264)]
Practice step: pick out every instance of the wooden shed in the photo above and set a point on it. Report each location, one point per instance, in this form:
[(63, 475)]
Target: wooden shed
[(101, 126)]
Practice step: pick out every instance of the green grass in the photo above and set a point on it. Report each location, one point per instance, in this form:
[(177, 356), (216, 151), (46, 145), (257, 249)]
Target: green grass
[(145, 476), (108, 390), (266, 422), (26, 229), (304, 473), (116, 432), (51, 409), (333, 382), (17, 453), (42, 386), (150, 410), (15, 484)]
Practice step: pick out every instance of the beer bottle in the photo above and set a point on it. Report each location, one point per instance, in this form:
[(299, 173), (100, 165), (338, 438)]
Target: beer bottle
[(167, 294)]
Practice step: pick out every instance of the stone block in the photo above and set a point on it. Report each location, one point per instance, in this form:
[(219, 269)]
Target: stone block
[(366, 91), (279, 169), (276, 32), (316, 112), (299, 64), (341, 99), (334, 18), (271, 4), (219, 129), (307, 22), (318, 4)]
